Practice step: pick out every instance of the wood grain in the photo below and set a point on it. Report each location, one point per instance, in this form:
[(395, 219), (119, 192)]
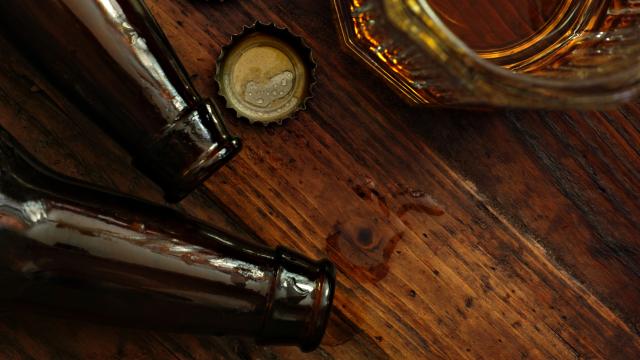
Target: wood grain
[(505, 234)]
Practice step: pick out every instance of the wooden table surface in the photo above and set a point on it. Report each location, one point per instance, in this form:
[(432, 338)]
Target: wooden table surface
[(503, 234)]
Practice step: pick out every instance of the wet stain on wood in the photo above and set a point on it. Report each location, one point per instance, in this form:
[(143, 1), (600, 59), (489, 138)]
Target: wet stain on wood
[(361, 254)]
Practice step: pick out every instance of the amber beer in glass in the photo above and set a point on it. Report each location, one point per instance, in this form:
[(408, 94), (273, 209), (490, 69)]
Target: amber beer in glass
[(516, 53)]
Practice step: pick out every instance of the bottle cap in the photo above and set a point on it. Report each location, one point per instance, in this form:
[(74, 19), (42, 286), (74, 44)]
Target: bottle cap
[(265, 74)]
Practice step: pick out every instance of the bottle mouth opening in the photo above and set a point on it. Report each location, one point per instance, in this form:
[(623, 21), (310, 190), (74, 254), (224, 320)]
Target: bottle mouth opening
[(188, 151), (178, 184), (324, 304), (211, 160), (300, 301)]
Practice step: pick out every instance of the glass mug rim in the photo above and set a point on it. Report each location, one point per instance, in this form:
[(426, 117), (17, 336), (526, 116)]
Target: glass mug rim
[(419, 21)]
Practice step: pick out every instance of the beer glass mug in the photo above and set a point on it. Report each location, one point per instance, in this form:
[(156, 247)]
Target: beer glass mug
[(515, 53)]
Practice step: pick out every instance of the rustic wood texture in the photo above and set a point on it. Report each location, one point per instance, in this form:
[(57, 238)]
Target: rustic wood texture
[(504, 234)]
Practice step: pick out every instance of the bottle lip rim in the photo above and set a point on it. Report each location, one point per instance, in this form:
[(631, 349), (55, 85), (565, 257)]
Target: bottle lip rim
[(318, 324), (180, 185), (211, 160), (307, 334), (178, 181)]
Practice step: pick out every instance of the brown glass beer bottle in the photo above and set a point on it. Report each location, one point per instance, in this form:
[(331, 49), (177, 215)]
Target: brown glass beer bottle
[(111, 58), (73, 250)]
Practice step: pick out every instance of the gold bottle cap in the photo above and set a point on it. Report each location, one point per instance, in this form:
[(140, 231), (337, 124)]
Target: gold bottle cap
[(265, 74)]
